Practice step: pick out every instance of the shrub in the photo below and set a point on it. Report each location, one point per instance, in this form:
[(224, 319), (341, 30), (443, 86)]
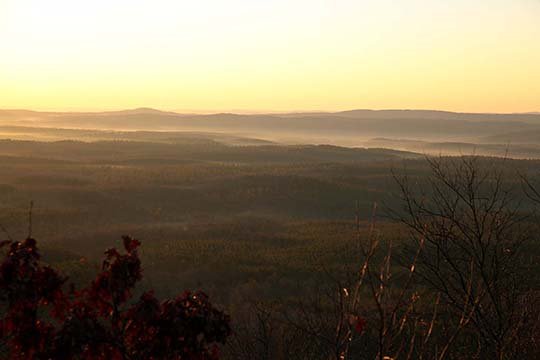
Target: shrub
[(41, 320)]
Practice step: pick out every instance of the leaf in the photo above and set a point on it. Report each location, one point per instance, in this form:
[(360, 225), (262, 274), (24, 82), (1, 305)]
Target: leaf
[(130, 244)]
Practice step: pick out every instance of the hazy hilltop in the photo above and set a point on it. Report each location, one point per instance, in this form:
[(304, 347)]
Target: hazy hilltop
[(439, 131), (525, 136), (440, 115)]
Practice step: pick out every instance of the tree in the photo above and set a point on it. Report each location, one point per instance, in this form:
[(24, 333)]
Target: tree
[(41, 320), (472, 228)]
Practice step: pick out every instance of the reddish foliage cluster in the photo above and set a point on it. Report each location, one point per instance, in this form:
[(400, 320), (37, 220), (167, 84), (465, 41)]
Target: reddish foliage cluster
[(40, 320), (357, 323)]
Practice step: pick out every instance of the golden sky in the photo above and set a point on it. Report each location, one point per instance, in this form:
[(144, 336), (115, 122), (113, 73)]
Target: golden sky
[(270, 55)]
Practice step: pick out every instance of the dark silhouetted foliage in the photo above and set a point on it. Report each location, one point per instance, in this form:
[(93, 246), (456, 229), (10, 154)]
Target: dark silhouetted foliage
[(40, 320)]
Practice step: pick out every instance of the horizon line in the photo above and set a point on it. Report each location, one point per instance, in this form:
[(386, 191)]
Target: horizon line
[(258, 112)]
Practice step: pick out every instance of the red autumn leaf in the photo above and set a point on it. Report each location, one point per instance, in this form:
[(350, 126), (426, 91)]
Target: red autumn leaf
[(360, 324), (130, 244)]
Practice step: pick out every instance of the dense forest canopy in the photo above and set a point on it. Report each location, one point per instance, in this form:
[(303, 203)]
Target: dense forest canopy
[(267, 230)]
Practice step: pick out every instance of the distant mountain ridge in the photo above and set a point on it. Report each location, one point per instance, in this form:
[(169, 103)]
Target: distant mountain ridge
[(359, 113), (344, 128)]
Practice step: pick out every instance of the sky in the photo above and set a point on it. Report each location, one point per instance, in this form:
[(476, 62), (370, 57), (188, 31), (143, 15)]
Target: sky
[(270, 55)]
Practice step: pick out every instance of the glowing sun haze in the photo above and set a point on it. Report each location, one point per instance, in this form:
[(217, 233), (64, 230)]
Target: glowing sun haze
[(278, 55)]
